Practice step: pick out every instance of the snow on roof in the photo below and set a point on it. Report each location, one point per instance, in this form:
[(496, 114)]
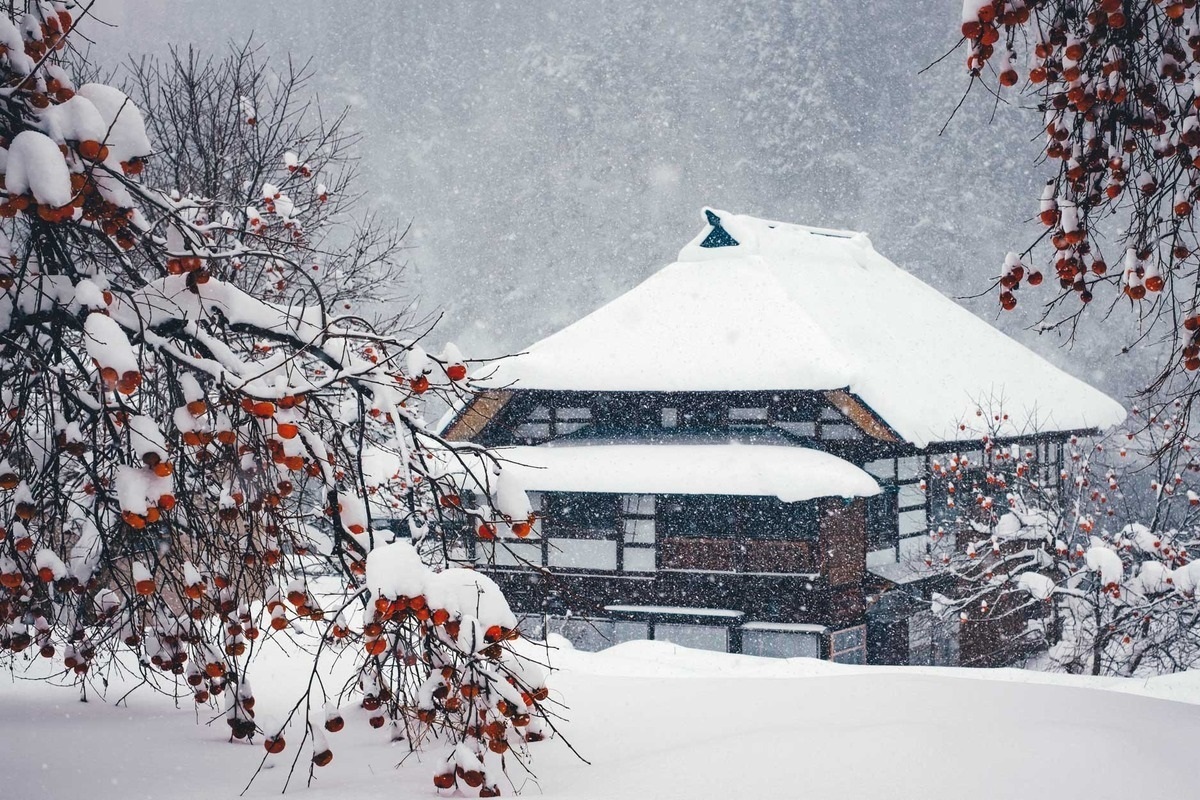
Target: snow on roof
[(790, 473), (786, 627), (678, 611), (796, 308), (902, 572)]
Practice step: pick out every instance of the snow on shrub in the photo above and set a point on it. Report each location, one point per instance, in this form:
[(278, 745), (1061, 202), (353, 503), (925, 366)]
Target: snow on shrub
[(36, 167), (126, 140), (1038, 585)]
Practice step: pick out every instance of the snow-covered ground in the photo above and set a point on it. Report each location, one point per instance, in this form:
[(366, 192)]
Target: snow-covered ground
[(658, 721)]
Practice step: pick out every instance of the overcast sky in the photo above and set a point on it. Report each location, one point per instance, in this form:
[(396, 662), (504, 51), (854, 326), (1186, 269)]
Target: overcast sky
[(550, 155)]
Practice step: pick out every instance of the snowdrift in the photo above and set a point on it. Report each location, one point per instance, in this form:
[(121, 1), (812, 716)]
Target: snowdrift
[(658, 721)]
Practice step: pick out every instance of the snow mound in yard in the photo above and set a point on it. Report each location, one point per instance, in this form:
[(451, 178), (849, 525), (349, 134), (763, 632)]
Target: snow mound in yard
[(660, 721)]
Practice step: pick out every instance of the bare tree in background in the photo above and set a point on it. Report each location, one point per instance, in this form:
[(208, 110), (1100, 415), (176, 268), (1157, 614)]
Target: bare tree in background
[(234, 125)]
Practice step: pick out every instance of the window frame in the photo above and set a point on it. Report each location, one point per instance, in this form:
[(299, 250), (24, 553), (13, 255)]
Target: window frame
[(904, 483), (853, 653), (639, 514), (608, 515)]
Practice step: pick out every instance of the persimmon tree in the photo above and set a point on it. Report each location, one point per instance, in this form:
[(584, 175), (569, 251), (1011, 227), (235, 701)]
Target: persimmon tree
[(1090, 567), (174, 434), (1115, 84)]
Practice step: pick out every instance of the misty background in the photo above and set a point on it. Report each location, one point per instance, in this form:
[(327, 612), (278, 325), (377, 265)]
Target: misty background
[(550, 155)]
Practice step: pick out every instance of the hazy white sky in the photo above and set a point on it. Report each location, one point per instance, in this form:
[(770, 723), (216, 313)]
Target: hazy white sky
[(552, 154)]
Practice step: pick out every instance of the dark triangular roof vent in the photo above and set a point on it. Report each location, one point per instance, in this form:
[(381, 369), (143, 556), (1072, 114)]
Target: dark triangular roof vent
[(718, 236)]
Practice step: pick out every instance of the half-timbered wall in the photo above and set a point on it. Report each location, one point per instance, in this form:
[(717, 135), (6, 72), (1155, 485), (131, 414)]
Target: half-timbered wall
[(632, 533), (921, 507), (809, 418)]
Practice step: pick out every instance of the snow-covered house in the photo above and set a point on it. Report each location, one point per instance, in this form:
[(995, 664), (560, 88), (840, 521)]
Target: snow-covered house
[(732, 454)]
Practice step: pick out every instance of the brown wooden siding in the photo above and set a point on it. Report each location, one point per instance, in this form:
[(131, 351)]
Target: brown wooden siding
[(691, 552), (843, 541), (729, 555), (771, 555), (479, 412), (861, 416)]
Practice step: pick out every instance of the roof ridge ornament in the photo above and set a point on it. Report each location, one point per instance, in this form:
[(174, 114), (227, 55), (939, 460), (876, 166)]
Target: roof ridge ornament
[(718, 236)]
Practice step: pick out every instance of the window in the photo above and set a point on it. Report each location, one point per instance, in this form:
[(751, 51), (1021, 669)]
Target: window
[(748, 419), (781, 644), (912, 522), (910, 468), (835, 427), (849, 646), (581, 553), (913, 547), (596, 634), (583, 531), (571, 420), (533, 431), (897, 517), (697, 637), (543, 422), (884, 469), (840, 432), (638, 529), (638, 513), (640, 559), (534, 426), (579, 529), (882, 531), (912, 496), (670, 417)]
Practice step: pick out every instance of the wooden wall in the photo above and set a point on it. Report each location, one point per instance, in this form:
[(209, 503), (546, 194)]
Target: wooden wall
[(738, 555), (843, 542)]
